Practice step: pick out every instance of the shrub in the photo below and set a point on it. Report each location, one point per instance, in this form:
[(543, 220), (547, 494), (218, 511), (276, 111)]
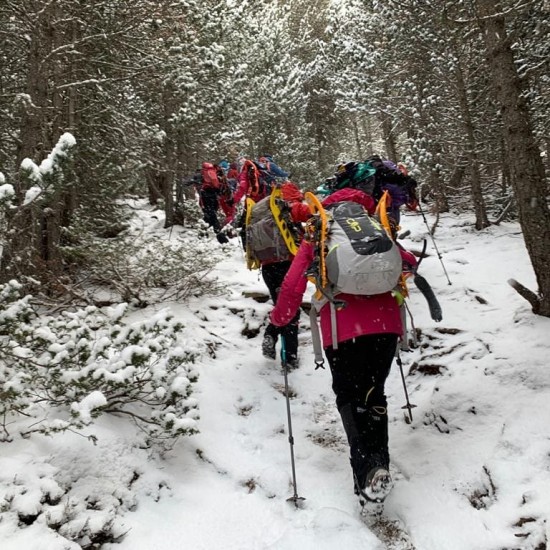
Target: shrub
[(142, 269), (61, 372)]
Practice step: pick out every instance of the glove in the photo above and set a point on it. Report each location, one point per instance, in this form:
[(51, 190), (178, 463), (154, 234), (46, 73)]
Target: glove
[(428, 293), (412, 202)]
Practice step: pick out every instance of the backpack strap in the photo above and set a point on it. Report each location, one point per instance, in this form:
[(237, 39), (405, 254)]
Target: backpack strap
[(333, 327), (316, 338), (382, 213), (323, 294), (251, 260), (404, 340)]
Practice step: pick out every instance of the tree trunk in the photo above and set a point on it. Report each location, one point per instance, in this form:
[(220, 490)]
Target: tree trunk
[(179, 207), (526, 168), (153, 186), (505, 169), (168, 170), (357, 137), (480, 210), (389, 137), (367, 130), (31, 144)]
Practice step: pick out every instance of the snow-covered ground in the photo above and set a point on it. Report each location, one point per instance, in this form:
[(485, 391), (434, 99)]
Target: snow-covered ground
[(472, 470)]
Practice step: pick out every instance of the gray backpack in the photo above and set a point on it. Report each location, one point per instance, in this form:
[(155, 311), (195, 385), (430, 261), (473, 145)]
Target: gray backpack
[(263, 237), (360, 256)]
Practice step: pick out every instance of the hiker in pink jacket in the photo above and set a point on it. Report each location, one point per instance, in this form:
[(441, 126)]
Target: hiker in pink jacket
[(368, 329)]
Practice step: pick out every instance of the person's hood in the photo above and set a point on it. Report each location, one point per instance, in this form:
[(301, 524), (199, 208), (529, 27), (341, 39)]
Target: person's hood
[(291, 193), (354, 195)]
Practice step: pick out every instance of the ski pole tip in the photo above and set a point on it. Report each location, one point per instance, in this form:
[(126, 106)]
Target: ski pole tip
[(299, 502)]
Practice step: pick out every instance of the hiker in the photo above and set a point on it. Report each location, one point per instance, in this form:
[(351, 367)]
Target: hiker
[(368, 329), (267, 162), (255, 182), (233, 176), (224, 165), (274, 268), (214, 193), (267, 173), (226, 203), (387, 181), (395, 179)]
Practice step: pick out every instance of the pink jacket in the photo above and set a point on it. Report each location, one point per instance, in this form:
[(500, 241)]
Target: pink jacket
[(240, 192), (363, 314)]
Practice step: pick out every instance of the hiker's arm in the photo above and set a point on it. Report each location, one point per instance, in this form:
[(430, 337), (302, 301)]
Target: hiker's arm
[(276, 170), (240, 192), (237, 196), (293, 287), (409, 259)]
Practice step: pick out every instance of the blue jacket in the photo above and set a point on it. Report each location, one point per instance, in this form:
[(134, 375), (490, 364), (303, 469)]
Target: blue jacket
[(273, 169)]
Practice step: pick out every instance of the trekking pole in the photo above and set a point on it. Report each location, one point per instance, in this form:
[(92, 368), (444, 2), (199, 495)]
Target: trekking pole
[(434, 243), (294, 498), (409, 406)]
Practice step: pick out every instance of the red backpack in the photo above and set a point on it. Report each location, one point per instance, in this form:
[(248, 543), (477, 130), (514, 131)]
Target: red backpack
[(259, 184), (210, 179)]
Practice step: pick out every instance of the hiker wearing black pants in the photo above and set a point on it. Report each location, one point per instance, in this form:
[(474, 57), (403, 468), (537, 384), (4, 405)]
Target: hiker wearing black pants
[(359, 370), (273, 275), (360, 353), (209, 204)]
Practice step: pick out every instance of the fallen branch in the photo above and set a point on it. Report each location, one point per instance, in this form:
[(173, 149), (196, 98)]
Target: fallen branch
[(529, 295), (502, 215)]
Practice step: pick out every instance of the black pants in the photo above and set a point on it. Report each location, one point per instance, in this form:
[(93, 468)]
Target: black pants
[(359, 370), (209, 203), (273, 275)]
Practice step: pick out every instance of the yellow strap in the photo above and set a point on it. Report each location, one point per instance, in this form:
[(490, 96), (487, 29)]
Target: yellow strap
[(382, 213), (317, 208), (277, 193)]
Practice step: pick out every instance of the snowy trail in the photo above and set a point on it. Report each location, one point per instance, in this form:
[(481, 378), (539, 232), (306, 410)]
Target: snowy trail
[(442, 458), (472, 470)]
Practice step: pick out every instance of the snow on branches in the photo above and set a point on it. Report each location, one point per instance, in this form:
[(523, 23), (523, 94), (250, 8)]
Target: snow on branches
[(62, 372)]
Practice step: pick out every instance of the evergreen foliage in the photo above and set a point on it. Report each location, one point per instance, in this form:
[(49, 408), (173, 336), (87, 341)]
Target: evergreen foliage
[(150, 89), (61, 372)]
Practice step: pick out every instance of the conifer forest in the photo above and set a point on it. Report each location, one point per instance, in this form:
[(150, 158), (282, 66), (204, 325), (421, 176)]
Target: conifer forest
[(124, 301), (126, 98)]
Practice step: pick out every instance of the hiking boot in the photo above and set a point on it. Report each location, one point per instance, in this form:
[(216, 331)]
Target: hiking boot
[(222, 238), (378, 485), (268, 347), (292, 363)]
